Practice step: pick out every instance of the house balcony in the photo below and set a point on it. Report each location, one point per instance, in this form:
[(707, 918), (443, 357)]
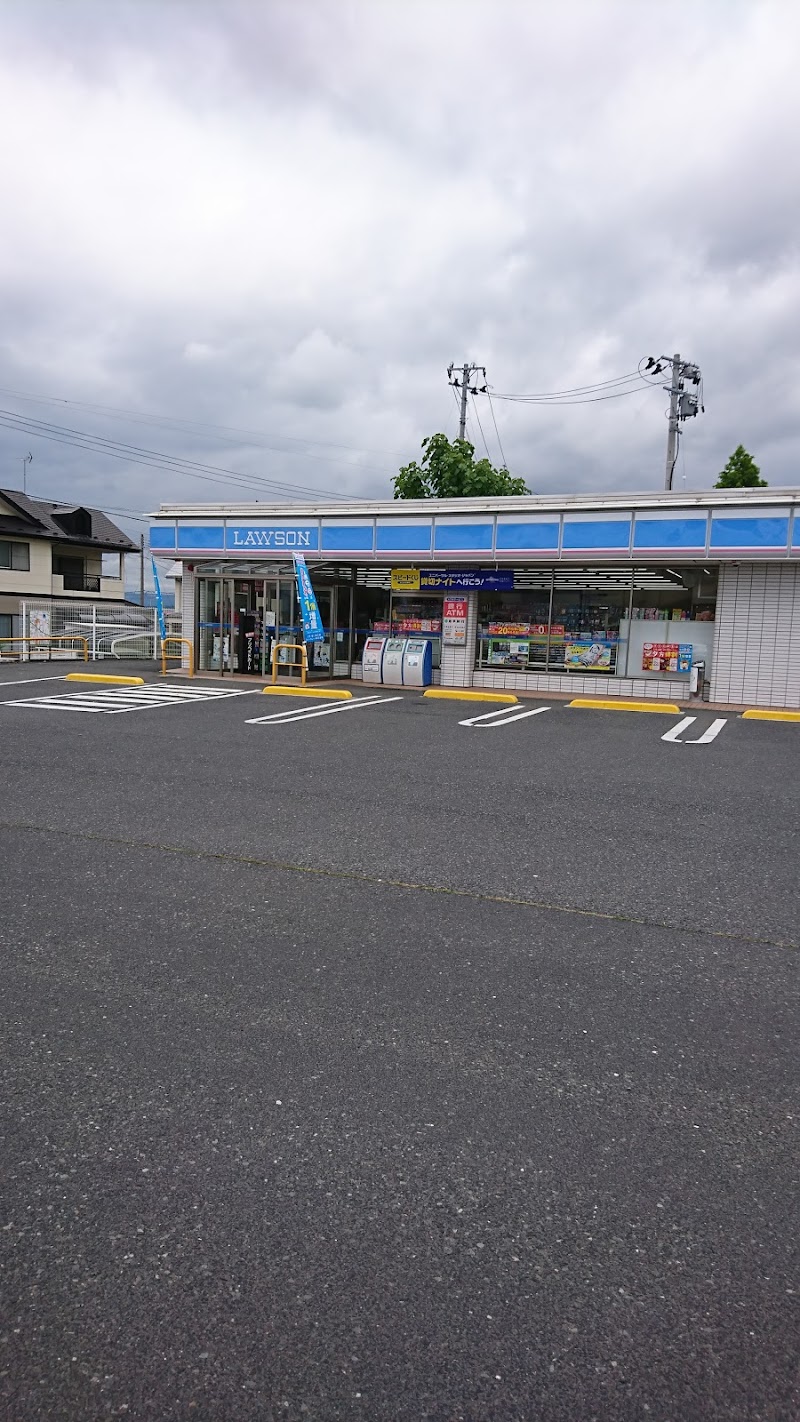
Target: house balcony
[(87, 585)]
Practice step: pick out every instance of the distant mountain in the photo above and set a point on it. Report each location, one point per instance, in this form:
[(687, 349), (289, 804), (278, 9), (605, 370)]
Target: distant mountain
[(168, 598)]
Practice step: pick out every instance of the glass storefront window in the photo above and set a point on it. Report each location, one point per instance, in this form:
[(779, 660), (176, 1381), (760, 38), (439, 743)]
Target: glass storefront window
[(555, 626), (588, 620), (419, 616), (342, 633), (513, 628), (585, 628), (371, 616), (690, 597), (669, 630), (210, 628)]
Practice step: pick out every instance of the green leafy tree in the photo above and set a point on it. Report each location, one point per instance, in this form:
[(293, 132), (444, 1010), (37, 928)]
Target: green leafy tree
[(451, 471), (741, 472)]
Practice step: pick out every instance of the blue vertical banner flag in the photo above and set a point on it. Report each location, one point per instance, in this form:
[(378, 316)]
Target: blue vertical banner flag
[(313, 630), (162, 626)]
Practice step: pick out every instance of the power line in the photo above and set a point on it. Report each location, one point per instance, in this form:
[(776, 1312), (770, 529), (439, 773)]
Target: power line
[(575, 389), (496, 430), (121, 513), (138, 454), (480, 426), (587, 400), (219, 431)]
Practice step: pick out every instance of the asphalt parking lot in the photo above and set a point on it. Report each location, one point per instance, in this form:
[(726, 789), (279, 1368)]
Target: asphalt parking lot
[(368, 1064)]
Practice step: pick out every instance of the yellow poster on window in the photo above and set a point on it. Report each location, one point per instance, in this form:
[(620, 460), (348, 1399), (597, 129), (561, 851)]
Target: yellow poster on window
[(405, 579)]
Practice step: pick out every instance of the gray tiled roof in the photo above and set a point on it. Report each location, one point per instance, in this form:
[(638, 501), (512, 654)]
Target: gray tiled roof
[(38, 518)]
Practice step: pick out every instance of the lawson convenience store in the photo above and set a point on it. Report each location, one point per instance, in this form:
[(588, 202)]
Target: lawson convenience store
[(647, 595)]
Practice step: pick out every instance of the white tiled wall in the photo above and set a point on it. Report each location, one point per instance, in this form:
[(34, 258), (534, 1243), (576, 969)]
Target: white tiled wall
[(187, 613), (674, 689), (757, 641)]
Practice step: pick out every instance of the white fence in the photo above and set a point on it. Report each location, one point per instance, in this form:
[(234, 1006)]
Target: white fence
[(116, 630)]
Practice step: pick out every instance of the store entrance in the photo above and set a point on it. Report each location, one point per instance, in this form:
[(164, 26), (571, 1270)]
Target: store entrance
[(332, 656), (240, 621)]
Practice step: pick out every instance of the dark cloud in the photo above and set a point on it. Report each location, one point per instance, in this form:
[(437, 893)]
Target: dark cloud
[(287, 218)]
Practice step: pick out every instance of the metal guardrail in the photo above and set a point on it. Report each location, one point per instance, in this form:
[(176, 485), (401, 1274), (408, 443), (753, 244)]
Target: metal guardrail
[(184, 642), (26, 642), (290, 647)]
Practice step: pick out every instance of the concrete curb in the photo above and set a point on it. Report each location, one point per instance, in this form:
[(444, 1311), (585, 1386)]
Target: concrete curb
[(106, 680), (445, 694), (666, 708), (754, 715), (335, 694)]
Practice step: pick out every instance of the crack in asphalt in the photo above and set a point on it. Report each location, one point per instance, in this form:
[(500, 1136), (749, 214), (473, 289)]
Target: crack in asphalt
[(354, 876)]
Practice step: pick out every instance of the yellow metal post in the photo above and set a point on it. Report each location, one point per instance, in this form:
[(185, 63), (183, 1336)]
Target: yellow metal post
[(292, 646), (184, 642)]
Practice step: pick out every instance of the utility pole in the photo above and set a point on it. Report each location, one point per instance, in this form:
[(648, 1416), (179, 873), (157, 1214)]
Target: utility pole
[(28, 459), (141, 570), (463, 385), (683, 405), (672, 430)]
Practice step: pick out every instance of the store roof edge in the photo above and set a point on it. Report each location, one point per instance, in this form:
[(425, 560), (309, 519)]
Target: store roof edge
[(528, 503)]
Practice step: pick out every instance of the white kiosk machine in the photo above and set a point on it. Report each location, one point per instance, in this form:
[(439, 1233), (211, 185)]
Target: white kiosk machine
[(417, 662), (372, 660), (393, 654)]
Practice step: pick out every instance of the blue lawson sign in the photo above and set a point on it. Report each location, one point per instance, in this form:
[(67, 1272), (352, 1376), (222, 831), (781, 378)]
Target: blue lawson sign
[(250, 538), (463, 580), (313, 630)]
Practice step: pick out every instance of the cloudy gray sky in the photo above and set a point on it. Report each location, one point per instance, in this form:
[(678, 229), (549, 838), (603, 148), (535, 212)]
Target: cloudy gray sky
[(286, 217)]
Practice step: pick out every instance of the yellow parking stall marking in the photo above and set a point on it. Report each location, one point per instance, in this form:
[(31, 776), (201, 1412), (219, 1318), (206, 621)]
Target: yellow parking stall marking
[(770, 715), (106, 680), (447, 695), (664, 708)]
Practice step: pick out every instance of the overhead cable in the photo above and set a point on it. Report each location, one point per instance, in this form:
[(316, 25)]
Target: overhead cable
[(140, 455)]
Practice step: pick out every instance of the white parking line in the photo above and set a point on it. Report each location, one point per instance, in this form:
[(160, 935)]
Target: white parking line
[(674, 735), (713, 730), (503, 717), (30, 680), (307, 713), (117, 700), (677, 731)]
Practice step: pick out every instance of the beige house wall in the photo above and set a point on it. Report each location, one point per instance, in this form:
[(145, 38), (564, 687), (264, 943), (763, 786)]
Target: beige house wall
[(41, 581)]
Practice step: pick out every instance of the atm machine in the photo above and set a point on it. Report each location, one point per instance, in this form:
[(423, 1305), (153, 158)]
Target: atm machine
[(372, 660), (418, 662)]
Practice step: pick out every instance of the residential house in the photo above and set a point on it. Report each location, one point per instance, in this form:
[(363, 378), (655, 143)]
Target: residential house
[(53, 551)]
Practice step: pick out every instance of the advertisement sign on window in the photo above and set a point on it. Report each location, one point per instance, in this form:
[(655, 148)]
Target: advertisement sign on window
[(587, 655), (405, 579), (454, 621), (402, 625), (667, 657), (452, 579)]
